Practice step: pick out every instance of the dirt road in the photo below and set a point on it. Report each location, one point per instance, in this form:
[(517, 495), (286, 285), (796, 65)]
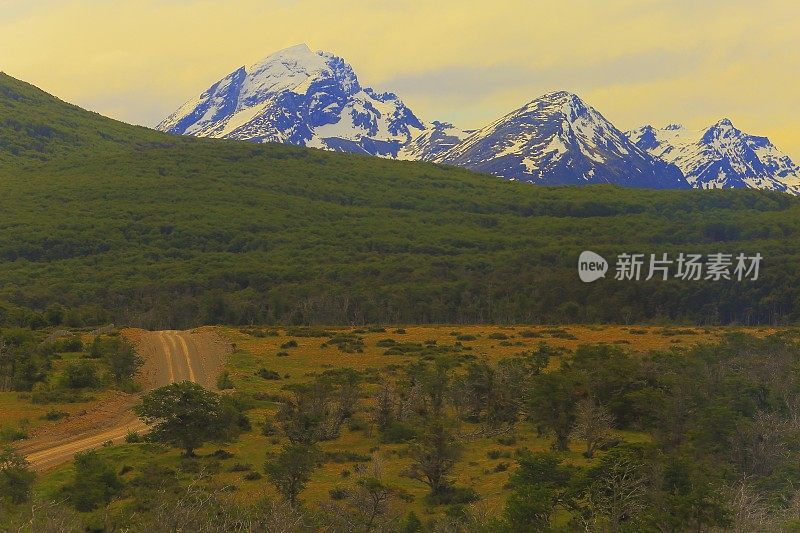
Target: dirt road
[(169, 357)]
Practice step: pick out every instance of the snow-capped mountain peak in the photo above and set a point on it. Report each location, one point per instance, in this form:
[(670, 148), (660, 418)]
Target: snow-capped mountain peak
[(721, 156), (294, 69), (301, 97), (559, 139)]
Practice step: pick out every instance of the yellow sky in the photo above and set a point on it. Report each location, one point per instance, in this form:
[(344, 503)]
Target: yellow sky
[(464, 61)]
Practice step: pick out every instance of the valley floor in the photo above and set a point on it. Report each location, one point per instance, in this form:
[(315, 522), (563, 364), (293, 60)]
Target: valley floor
[(298, 355)]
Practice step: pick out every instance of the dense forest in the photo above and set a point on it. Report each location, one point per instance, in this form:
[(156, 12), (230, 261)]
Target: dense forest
[(119, 223)]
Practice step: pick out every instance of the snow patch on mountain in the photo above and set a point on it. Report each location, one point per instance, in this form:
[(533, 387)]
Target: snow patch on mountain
[(434, 140), (721, 156)]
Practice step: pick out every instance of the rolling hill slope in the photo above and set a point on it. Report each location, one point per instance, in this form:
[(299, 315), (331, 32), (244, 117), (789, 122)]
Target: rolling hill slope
[(122, 223)]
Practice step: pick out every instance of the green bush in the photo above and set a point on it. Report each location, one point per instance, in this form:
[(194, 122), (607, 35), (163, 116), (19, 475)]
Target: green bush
[(55, 414), (81, 375), (268, 374), (133, 437), (16, 478), (397, 433), (224, 381), (452, 496), (95, 482), (338, 493)]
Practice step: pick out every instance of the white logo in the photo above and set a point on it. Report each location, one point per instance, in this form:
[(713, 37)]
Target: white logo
[(591, 266)]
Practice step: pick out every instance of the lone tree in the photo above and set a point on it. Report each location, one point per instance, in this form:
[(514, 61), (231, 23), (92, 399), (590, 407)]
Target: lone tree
[(593, 424), (185, 415), (290, 470), (552, 404), (434, 454), (122, 360), (539, 486)]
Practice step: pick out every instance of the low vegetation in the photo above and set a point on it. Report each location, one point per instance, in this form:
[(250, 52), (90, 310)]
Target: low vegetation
[(553, 435)]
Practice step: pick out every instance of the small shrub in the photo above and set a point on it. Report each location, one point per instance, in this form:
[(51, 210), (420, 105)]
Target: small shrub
[(252, 476), (342, 456), (221, 454), (43, 394), (466, 337), (289, 344), (268, 374), (224, 381), (268, 429), (129, 386), (452, 496), (558, 333), (12, 433), (498, 336), (95, 482), (356, 424), (71, 343), (55, 414), (133, 437), (282, 354), (501, 467), (81, 375), (338, 493), (240, 467), (307, 332), (397, 433), (669, 332), (508, 440), (411, 523), (348, 343)]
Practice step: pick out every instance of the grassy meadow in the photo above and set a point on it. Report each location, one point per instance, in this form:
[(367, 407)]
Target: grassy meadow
[(298, 355)]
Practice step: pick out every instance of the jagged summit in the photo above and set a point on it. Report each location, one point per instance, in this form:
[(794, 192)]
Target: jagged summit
[(559, 139), (301, 97), (721, 156)]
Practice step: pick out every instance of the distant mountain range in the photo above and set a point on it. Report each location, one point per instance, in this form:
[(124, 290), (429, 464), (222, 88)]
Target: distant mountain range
[(314, 99), (721, 156)]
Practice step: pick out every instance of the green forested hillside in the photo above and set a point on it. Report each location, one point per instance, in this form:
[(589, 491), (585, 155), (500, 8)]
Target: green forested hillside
[(116, 222)]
